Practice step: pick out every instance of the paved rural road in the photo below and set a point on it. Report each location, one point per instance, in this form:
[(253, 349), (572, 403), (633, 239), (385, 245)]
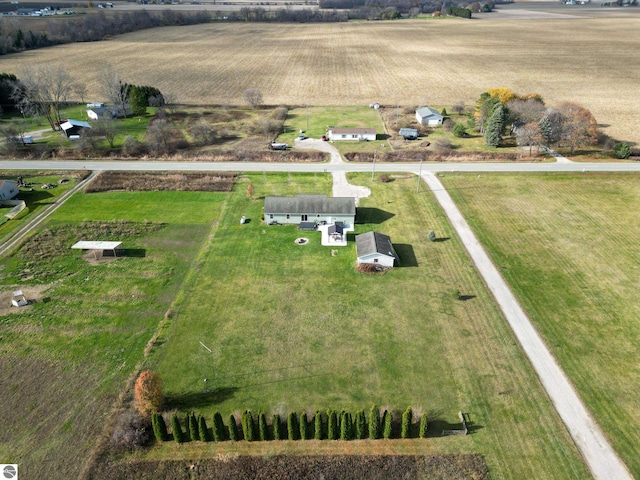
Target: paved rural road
[(599, 455), (317, 167)]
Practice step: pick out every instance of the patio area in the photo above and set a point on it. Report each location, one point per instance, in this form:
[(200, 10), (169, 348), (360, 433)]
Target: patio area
[(334, 235)]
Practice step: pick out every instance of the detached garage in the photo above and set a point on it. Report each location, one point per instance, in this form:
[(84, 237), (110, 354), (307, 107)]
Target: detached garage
[(376, 248)]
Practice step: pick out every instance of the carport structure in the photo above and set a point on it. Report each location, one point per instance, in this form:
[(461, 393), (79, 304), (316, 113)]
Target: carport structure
[(98, 246)]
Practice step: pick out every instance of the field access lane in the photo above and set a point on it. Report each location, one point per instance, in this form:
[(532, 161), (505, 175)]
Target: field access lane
[(602, 460), (316, 167)]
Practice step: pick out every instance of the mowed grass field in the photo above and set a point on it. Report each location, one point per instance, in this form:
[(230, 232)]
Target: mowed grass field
[(296, 328), (415, 62), (66, 359), (568, 246)]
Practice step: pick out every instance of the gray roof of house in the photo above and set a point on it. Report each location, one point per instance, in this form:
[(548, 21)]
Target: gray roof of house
[(374, 242), (408, 131), (427, 112), (310, 204)]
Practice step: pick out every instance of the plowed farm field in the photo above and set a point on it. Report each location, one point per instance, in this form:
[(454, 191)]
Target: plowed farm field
[(592, 61)]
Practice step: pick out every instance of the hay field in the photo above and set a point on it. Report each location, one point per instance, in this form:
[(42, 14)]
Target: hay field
[(590, 61)]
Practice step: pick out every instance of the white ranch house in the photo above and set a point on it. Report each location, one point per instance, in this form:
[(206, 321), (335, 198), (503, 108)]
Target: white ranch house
[(316, 209), (351, 134), (428, 116), (376, 248)]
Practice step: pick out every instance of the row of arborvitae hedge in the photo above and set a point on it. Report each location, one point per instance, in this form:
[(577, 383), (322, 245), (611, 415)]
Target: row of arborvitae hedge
[(331, 425)]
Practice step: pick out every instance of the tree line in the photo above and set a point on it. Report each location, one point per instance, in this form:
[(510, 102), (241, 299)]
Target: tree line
[(329, 425), (532, 122), (90, 28), (135, 428)]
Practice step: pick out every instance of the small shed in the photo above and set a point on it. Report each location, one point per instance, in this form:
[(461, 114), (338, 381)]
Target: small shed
[(376, 248), (98, 246), (428, 116), (352, 134), (408, 133), (73, 127)]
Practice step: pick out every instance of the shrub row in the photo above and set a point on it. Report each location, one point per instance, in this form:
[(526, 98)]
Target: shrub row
[(329, 425)]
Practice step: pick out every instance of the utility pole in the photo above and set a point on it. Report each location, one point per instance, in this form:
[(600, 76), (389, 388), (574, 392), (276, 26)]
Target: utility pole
[(419, 177), (373, 172)]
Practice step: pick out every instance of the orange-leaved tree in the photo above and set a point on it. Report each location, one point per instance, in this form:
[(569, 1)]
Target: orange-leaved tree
[(147, 393)]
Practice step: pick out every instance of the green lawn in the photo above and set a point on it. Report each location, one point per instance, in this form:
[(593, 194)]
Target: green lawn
[(36, 198), (567, 245), (295, 327), (66, 359), (321, 118)]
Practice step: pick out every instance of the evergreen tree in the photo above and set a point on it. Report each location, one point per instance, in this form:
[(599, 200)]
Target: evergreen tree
[(495, 126), (407, 416), (423, 426), (233, 428), (187, 427), (178, 435), (332, 425), (205, 436), (345, 426), (219, 429), (361, 425), (159, 427), (303, 426), (318, 426), (292, 426), (248, 426), (263, 431), (193, 428), (374, 422), (275, 425), (387, 424)]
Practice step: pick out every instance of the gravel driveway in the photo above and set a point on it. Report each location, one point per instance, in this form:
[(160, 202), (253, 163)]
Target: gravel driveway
[(602, 460), (341, 188)]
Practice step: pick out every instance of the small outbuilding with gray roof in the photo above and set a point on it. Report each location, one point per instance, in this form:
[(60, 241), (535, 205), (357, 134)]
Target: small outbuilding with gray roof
[(428, 116), (309, 208), (376, 248)]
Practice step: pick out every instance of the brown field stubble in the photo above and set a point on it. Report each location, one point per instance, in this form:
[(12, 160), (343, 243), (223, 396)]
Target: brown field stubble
[(584, 60)]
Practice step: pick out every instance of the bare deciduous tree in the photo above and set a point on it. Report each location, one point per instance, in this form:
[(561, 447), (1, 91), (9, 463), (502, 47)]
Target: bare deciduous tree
[(579, 127), (529, 135), (114, 88), (43, 90), (253, 96), (170, 101), (109, 128)]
